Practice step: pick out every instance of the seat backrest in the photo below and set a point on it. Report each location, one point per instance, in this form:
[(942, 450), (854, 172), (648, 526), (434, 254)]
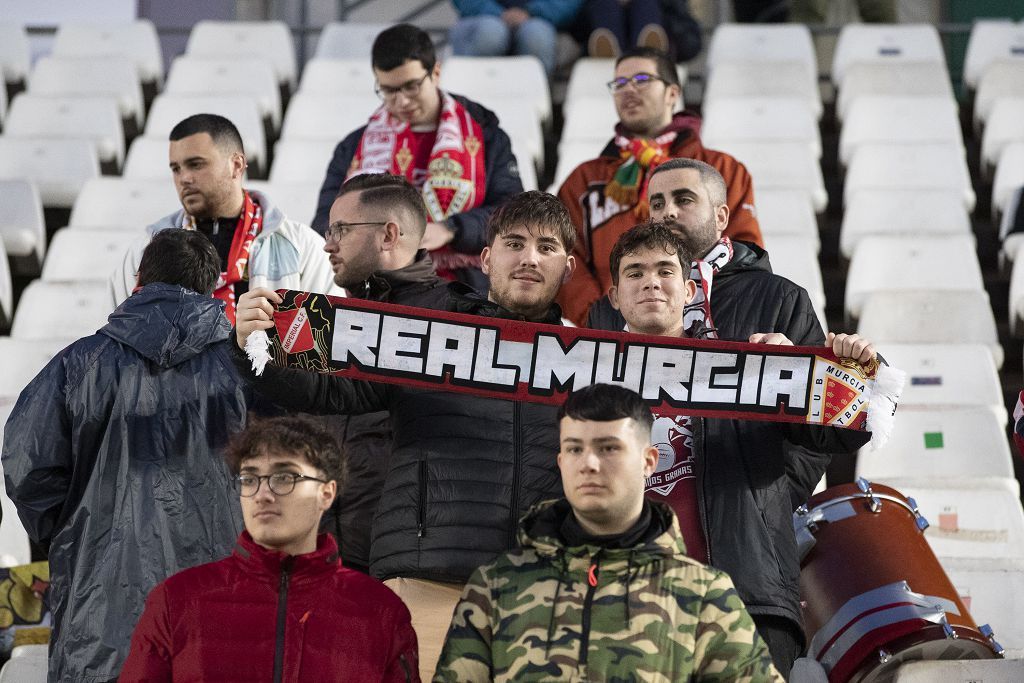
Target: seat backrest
[(1008, 177), (14, 52), (326, 117), (483, 78), (885, 43), (57, 167), (781, 165), (296, 200), (124, 203), (1003, 127), (928, 316), (82, 254), (242, 110), (761, 43), (886, 118), (96, 118), (61, 310), (589, 118), (147, 159), (351, 76), (768, 119), (1001, 78), (136, 41), (925, 213), (301, 161), (258, 39), (202, 75), (916, 166), (904, 79), (348, 40), (990, 40), (948, 376), (88, 76), (22, 227)]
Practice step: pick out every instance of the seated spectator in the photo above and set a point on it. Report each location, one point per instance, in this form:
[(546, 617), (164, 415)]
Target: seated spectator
[(257, 244), (619, 24), (112, 454), (281, 607), (494, 28), (601, 588), (608, 195), (449, 147)]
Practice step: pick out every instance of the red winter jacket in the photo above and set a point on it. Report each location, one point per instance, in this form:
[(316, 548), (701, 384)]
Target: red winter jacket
[(261, 615)]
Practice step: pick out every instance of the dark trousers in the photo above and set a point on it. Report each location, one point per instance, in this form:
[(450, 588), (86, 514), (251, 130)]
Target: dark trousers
[(623, 21), (784, 640)]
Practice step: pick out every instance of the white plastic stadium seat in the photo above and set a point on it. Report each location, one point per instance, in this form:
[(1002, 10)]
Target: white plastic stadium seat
[(1003, 128), (25, 358), (191, 75), (899, 120), (6, 288), (123, 203), (14, 52), (1016, 299), (782, 166), (912, 167), (765, 79), (297, 200), (760, 119), (352, 77), (1002, 78), (87, 254), (243, 111), (301, 161), (61, 310), (782, 213), (90, 76), (484, 78), (940, 445), (971, 519), (95, 118), (1008, 177), (794, 258), (590, 76), (761, 43), (58, 168), (348, 40), (527, 171), (572, 153), (249, 39), (326, 117), (520, 123), (592, 119), (147, 159), (900, 263), (991, 40), (885, 43), (950, 376), (926, 316), (905, 79), (135, 41), (993, 592), (928, 214), (22, 228), (27, 666)]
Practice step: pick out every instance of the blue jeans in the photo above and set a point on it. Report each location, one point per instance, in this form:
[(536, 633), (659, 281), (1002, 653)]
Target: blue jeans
[(489, 36), (625, 22)]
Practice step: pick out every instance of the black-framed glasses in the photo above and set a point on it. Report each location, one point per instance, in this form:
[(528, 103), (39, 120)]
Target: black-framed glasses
[(410, 89), (640, 81), (280, 483), (338, 231)]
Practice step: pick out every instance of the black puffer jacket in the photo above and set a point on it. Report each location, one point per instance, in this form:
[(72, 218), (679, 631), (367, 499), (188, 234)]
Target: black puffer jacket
[(367, 438), (750, 473), (463, 469)]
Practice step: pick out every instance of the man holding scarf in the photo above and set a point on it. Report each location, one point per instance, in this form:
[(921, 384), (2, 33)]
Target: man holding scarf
[(449, 147), (733, 483), (606, 196), (256, 242)]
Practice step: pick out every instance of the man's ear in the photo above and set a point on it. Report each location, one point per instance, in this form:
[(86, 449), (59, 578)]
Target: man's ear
[(721, 218), (613, 296), (238, 165), (485, 261), (570, 268), (392, 231), (327, 495), (650, 460), (436, 72), (691, 290)]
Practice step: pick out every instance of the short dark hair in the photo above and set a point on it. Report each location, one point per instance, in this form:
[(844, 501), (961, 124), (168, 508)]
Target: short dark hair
[(385, 190), (401, 43), (533, 208), (709, 176), (650, 235), (607, 403), (180, 257), (224, 133), (665, 66), (292, 435)]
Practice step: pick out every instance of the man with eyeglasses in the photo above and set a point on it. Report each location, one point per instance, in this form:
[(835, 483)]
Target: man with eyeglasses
[(282, 606), (112, 454), (608, 195), (447, 146), (258, 244)]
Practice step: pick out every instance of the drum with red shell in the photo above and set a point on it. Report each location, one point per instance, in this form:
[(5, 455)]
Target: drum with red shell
[(874, 594)]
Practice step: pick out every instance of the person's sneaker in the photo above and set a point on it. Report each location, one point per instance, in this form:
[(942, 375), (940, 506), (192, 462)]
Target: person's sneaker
[(653, 35), (602, 44)]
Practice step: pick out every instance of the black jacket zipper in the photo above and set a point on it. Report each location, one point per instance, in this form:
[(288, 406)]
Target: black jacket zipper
[(517, 447), (592, 578), (421, 504), (282, 613)]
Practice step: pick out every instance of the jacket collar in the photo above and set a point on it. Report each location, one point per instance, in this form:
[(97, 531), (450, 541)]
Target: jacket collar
[(385, 285), (686, 123), (473, 303), (269, 563)]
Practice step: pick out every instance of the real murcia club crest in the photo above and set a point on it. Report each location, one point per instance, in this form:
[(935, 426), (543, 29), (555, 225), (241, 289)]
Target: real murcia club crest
[(403, 158), (446, 191), (472, 145)]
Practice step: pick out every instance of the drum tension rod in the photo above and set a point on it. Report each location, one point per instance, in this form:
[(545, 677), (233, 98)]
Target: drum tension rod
[(946, 628), (919, 519), (986, 631), (865, 487)]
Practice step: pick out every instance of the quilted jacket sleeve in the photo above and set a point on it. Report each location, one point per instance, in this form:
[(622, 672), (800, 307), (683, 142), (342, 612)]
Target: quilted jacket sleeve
[(151, 652)]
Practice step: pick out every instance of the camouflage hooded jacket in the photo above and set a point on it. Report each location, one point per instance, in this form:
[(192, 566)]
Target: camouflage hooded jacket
[(548, 612)]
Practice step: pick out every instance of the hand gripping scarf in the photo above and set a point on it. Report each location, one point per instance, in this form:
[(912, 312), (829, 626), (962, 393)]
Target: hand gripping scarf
[(456, 178), (249, 225), (538, 363)]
